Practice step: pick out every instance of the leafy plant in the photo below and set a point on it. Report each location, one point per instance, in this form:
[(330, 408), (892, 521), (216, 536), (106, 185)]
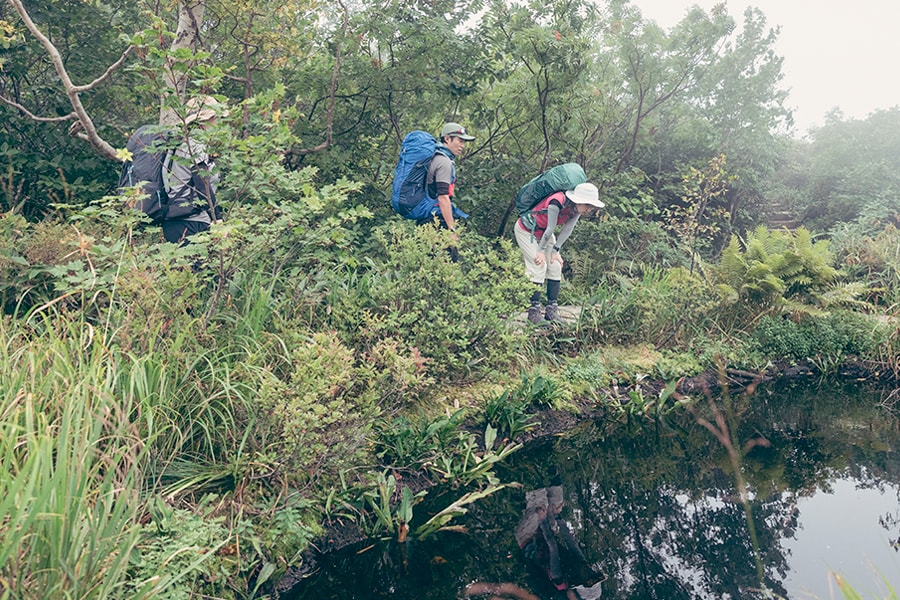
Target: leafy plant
[(465, 463), (391, 518), (407, 442), (507, 413), (775, 267), (637, 404), (441, 520), (72, 469)]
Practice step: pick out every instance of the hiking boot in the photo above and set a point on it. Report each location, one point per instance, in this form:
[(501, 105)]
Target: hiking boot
[(552, 313), (535, 313)]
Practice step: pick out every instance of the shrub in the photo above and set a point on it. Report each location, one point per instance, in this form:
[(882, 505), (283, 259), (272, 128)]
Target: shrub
[(455, 314), (661, 306), (837, 336), (323, 410), (616, 245)]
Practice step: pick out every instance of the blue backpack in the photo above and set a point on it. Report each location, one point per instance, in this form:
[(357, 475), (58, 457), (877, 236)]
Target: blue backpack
[(408, 188)]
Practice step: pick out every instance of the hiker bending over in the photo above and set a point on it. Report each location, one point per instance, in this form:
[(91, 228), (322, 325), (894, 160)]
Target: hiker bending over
[(535, 234), (192, 179)]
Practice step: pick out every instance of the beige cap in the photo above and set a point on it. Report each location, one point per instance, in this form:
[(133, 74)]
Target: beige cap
[(204, 108), (456, 130)]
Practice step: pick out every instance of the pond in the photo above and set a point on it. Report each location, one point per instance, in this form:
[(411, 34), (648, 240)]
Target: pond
[(655, 510)]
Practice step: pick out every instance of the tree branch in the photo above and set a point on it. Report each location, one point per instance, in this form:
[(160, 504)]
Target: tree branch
[(33, 116), (329, 128), (89, 131), (102, 78)]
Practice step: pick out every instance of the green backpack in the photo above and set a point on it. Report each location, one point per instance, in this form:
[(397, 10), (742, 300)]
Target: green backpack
[(558, 179)]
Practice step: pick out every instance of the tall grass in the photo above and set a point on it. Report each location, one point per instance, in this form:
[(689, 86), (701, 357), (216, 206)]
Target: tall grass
[(71, 467)]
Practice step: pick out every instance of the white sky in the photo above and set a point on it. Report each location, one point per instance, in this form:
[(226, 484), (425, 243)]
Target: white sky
[(837, 53)]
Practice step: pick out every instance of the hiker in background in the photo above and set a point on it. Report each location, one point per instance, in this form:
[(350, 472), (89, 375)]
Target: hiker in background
[(540, 246), (191, 180), (441, 178)]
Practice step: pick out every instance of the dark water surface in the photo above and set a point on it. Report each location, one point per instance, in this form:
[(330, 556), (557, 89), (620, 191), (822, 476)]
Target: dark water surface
[(656, 512)]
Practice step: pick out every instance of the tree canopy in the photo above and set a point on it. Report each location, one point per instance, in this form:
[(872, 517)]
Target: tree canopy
[(539, 83)]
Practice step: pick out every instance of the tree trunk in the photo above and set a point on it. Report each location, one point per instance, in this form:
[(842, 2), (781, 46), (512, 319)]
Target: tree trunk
[(187, 35)]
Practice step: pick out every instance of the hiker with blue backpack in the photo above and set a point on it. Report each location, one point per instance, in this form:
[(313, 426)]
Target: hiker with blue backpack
[(557, 198), (441, 177), (425, 178)]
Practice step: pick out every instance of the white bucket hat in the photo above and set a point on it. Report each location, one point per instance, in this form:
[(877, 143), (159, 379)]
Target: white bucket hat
[(585, 193), (204, 108)]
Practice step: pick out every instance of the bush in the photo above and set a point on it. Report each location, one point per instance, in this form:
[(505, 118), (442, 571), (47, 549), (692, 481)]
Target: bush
[(456, 315), (616, 245), (835, 337), (661, 306), (322, 412)]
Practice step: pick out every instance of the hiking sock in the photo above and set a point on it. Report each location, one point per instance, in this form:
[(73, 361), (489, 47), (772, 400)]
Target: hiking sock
[(536, 297), (552, 291)]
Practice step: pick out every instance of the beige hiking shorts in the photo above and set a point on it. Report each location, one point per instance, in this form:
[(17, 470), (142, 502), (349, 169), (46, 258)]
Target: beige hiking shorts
[(528, 244)]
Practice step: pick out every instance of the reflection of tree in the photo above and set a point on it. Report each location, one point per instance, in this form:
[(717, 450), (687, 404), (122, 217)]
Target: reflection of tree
[(667, 541), (676, 528)]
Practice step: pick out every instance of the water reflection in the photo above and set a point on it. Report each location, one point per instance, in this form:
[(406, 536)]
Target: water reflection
[(657, 511), (557, 566)]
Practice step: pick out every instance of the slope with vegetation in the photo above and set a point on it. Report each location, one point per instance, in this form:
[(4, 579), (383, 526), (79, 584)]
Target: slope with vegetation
[(177, 421)]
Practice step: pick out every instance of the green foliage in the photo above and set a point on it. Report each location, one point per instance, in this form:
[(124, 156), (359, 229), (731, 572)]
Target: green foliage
[(72, 468), (850, 172), (542, 392), (588, 375), (616, 245), (827, 340), (186, 543), (453, 314), (390, 519), (13, 265), (700, 217), (460, 464), (251, 367), (507, 413), (636, 404), (323, 410), (441, 520), (468, 464), (659, 305), (410, 441), (870, 257), (773, 268)]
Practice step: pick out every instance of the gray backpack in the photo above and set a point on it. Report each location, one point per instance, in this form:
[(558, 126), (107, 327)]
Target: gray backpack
[(149, 158)]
